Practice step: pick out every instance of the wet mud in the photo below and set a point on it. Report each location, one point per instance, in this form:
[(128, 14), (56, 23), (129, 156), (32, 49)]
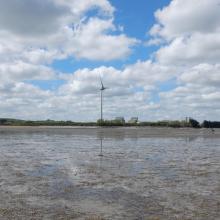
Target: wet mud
[(109, 173)]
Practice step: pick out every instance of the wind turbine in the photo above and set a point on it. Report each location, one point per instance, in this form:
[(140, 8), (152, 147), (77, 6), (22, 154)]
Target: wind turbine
[(101, 90)]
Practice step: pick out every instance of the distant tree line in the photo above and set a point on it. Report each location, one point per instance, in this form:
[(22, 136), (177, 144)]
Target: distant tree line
[(165, 123), (110, 123), (204, 124), (16, 122), (211, 124)]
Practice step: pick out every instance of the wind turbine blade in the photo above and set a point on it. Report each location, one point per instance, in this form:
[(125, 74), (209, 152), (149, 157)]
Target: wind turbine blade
[(101, 82)]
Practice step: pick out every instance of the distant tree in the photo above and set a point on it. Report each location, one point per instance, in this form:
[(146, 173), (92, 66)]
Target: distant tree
[(3, 121), (211, 124), (206, 124), (194, 123)]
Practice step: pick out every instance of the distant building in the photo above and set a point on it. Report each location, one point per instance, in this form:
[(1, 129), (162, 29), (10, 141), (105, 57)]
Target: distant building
[(133, 120), (120, 119)]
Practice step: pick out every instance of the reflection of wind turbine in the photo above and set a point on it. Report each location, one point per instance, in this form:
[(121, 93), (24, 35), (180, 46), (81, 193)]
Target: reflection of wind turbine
[(101, 154), (102, 89)]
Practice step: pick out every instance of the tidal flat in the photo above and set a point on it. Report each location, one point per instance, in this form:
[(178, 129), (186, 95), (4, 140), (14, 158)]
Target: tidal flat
[(109, 173)]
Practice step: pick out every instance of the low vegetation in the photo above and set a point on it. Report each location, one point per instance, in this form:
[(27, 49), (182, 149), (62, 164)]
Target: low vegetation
[(16, 122)]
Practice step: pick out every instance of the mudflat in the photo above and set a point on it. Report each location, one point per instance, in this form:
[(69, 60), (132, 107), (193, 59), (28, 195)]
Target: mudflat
[(142, 173), (115, 131)]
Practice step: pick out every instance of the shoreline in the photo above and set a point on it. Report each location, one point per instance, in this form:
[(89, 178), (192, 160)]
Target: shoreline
[(118, 132)]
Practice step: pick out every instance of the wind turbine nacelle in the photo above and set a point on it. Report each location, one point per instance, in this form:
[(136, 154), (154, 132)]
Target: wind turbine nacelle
[(103, 88)]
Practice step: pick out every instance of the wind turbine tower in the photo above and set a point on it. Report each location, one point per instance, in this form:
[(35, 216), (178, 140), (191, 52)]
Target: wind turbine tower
[(101, 90)]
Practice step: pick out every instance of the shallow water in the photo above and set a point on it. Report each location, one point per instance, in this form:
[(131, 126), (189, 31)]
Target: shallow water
[(145, 173)]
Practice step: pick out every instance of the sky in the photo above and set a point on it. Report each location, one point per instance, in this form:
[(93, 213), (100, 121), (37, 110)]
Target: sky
[(160, 59)]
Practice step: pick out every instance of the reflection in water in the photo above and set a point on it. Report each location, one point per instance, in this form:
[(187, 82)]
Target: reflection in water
[(101, 154), (190, 139), (100, 136)]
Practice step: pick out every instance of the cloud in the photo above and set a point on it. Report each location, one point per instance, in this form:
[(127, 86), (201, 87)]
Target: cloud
[(184, 25), (194, 101), (189, 32), (105, 46), (19, 71), (34, 18), (142, 75), (80, 7), (37, 30), (203, 74), (182, 18), (190, 50), (31, 17), (197, 93)]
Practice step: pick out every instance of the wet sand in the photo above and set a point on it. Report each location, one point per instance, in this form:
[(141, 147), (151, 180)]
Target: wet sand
[(144, 173)]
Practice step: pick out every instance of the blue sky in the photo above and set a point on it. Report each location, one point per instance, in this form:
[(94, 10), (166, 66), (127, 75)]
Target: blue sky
[(136, 19), (149, 54)]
